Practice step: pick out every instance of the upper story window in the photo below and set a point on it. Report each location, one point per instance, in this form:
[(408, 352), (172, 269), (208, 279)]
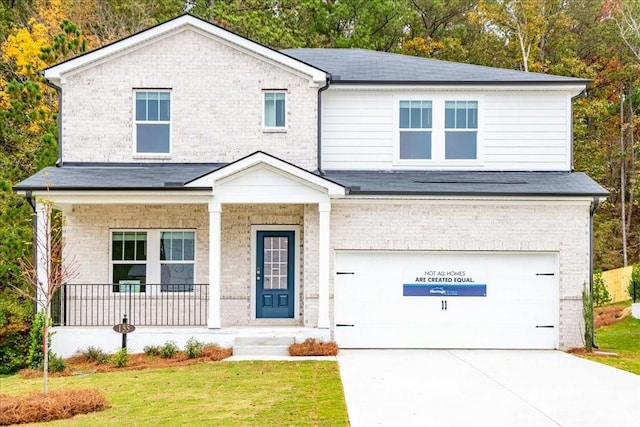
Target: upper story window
[(275, 109), (415, 129), (153, 122), (461, 129), (436, 131)]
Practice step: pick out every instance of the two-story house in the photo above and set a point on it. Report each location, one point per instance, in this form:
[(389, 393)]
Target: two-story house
[(213, 187)]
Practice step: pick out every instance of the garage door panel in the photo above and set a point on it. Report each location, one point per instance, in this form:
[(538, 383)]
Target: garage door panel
[(520, 302)]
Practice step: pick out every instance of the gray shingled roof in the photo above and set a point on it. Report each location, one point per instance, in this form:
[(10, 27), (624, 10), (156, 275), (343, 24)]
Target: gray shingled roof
[(135, 176), (467, 183), (154, 176), (360, 65)]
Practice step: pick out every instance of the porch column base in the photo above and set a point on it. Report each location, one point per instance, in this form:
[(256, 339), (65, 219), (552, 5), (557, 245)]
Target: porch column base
[(323, 264)]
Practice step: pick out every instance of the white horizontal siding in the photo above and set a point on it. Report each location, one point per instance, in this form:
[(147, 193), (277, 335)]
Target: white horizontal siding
[(357, 130), (517, 130)]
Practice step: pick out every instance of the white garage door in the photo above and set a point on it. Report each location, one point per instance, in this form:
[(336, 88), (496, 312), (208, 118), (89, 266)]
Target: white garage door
[(446, 300)]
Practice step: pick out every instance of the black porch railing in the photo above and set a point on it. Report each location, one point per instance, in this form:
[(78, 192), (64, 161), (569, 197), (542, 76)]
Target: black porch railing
[(144, 305)]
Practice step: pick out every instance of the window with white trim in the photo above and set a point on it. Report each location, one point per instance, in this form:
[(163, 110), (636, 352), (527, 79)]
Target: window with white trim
[(152, 122), (461, 130), (275, 109), (415, 129), (140, 257)]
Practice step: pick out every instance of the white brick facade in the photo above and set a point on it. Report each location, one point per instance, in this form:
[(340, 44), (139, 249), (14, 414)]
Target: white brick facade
[(213, 119)]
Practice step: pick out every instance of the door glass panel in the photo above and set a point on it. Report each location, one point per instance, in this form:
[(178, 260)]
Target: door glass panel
[(275, 262)]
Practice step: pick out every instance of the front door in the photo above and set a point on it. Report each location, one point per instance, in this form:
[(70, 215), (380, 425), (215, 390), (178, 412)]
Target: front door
[(275, 274)]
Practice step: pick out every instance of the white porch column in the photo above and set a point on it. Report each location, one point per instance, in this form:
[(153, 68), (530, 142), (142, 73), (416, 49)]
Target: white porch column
[(215, 259), (324, 251), (41, 248)]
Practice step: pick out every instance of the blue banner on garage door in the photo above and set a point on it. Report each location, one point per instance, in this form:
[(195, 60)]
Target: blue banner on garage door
[(420, 290)]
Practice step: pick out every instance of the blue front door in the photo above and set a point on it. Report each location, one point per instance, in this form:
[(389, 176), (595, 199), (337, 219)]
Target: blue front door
[(275, 274)]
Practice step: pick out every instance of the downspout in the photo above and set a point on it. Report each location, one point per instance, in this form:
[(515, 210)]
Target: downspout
[(592, 210), (319, 125), (58, 89), (34, 228)]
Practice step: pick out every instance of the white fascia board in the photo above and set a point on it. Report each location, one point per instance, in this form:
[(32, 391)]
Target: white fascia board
[(572, 89), (64, 197), (57, 72), (467, 200), (256, 159)]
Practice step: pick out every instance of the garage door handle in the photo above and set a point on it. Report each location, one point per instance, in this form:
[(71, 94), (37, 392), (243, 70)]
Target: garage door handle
[(344, 325), (544, 326), (345, 272), (545, 274)]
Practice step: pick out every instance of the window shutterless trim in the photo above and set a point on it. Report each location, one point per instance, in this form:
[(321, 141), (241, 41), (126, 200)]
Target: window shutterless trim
[(136, 122)]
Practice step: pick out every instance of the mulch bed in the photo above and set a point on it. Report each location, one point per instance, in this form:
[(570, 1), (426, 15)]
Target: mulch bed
[(57, 405), (607, 315), (313, 347)]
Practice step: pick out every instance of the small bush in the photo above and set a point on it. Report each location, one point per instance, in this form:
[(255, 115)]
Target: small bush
[(601, 294), (313, 347), (169, 349), (634, 283), (58, 405), (96, 354), (193, 348), (587, 314), (34, 359), (120, 358), (56, 363), (215, 352), (152, 350)]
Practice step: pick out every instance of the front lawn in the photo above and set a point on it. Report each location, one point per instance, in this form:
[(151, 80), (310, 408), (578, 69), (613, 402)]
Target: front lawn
[(623, 338), (256, 393)]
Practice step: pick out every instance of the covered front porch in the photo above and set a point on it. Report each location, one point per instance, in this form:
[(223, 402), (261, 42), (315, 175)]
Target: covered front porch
[(250, 235)]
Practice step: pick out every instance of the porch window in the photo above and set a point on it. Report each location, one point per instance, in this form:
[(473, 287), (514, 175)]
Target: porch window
[(177, 249), (129, 261), (146, 257)]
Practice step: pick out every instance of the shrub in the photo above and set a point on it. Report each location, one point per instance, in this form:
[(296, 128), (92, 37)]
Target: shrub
[(15, 322), (120, 358), (96, 354), (56, 363), (35, 357), (634, 283), (152, 350), (313, 347), (193, 348), (169, 349), (215, 352), (587, 314), (601, 294)]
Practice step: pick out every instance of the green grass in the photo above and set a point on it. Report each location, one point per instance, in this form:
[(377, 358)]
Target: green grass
[(622, 338), (252, 393)]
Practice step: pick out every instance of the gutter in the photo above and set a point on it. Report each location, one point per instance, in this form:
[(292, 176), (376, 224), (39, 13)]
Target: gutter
[(319, 125), (59, 90)]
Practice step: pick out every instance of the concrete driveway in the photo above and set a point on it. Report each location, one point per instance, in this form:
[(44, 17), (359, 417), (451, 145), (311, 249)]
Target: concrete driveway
[(485, 388)]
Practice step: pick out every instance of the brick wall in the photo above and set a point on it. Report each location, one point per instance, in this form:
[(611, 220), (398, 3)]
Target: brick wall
[(216, 102)]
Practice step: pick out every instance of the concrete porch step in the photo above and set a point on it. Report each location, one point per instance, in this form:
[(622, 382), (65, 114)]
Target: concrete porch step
[(262, 346)]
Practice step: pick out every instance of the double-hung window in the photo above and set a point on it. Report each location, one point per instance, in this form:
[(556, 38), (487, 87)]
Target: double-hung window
[(461, 129), (415, 129), (143, 257), (275, 109), (153, 121), (177, 249), (129, 260)]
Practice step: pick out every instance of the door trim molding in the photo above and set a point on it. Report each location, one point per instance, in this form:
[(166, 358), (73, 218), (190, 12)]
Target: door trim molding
[(296, 262)]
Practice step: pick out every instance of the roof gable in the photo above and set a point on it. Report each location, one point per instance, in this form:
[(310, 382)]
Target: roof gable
[(186, 22)]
